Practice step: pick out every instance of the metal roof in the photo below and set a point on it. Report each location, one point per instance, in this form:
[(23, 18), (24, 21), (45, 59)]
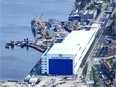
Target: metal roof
[(72, 43)]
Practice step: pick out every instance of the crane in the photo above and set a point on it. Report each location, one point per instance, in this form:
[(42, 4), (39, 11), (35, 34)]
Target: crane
[(43, 26)]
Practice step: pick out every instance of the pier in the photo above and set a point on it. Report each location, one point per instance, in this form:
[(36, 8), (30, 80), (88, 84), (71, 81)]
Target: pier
[(39, 48), (22, 44)]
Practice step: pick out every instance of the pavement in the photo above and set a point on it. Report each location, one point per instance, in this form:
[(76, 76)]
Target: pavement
[(73, 85), (101, 14), (88, 70), (110, 21), (48, 80), (13, 84), (79, 74)]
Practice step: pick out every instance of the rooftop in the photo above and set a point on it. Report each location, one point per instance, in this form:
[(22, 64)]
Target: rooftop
[(72, 43), (106, 64)]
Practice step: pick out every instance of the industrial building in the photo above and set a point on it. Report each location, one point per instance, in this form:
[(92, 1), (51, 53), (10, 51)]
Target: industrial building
[(88, 14), (65, 57), (83, 15)]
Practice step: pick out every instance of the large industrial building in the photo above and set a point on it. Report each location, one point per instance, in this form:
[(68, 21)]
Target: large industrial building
[(65, 57)]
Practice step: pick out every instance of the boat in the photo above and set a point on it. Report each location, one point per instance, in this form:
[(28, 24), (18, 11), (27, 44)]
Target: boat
[(45, 28), (33, 27)]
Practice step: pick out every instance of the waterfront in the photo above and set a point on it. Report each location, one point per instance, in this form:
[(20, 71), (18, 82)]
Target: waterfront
[(15, 25)]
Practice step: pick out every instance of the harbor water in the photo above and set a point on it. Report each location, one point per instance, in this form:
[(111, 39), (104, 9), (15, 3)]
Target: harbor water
[(15, 17)]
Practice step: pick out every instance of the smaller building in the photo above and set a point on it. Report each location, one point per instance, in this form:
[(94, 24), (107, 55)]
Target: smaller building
[(112, 48), (106, 64), (33, 80), (82, 16), (114, 82), (93, 1), (90, 82), (88, 14), (109, 10), (99, 2)]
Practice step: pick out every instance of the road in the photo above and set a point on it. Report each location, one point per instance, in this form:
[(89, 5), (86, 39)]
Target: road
[(100, 40), (90, 63), (110, 21), (91, 53), (101, 14)]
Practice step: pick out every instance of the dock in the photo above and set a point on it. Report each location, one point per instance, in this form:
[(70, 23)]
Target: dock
[(39, 48), (22, 44)]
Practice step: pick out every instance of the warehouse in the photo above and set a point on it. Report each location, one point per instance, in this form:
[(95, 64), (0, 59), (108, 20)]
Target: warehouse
[(65, 58)]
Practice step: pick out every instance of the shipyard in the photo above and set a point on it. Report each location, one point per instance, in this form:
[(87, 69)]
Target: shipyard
[(79, 52)]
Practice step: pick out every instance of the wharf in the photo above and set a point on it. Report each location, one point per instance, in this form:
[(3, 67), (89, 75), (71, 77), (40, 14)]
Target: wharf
[(22, 44), (39, 48)]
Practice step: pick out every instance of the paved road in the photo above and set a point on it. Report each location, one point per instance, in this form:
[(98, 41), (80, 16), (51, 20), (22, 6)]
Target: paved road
[(101, 14), (90, 63), (100, 40), (79, 73), (91, 54), (103, 29), (110, 21)]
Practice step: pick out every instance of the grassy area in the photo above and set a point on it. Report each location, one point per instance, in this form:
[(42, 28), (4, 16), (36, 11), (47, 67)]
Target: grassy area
[(113, 64), (97, 79), (93, 70), (110, 60), (94, 76), (85, 70)]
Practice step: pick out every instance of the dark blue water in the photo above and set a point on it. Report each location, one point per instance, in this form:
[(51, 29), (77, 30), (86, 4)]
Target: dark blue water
[(15, 16)]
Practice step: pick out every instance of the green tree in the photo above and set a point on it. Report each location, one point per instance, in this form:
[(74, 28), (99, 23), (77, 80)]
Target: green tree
[(85, 69), (83, 4), (114, 23), (93, 70), (92, 6), (97, 79), (109, 0)]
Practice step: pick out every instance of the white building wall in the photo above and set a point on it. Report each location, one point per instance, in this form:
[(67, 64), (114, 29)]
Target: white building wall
[(44, 62), (44, 65)]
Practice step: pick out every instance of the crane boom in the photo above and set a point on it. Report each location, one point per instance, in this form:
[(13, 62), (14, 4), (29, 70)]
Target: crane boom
[(41, 23), (43, 27)]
